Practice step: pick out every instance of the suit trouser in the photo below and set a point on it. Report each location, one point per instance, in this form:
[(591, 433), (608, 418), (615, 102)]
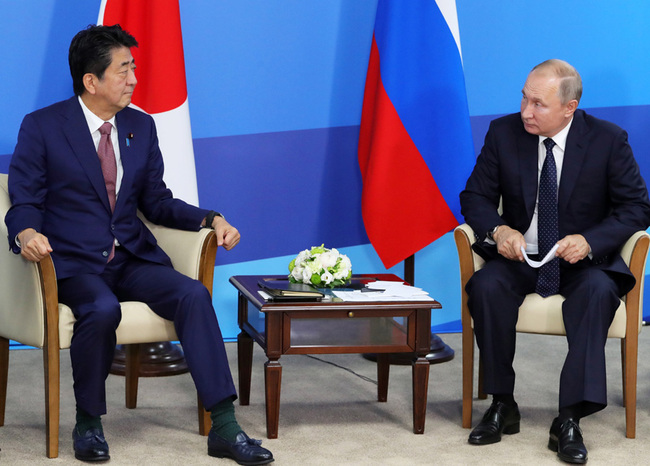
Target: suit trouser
[(94, 300), (591, 298)]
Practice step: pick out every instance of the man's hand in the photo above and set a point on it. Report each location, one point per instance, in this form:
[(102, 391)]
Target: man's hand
[(34, 245), (509, 243), (227, 235), (572, 248)]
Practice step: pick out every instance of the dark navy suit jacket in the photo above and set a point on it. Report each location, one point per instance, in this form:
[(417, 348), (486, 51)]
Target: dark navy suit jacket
[(56, 186), (601, 196)]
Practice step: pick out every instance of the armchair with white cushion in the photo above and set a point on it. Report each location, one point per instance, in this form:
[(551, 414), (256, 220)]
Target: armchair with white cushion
[(544, 316), (31, 314)]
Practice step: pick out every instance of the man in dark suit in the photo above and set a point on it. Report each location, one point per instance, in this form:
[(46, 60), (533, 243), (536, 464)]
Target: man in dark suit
[(81, 170), (566, 178)]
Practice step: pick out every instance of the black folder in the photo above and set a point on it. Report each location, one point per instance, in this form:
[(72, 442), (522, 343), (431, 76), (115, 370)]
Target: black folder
[(284, 290)]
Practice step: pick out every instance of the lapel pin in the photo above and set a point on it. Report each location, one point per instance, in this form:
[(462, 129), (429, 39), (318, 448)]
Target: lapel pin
[(128, 139)]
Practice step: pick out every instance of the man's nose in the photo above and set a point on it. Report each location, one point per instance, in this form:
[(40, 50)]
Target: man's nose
[(132, 80)]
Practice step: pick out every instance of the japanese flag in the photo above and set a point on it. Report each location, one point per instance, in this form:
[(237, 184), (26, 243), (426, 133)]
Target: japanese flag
[(162, 89)]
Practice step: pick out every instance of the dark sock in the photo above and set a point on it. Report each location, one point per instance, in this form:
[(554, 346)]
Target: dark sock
[(570, 412), (506, 398), (86, 422), (224, 422)]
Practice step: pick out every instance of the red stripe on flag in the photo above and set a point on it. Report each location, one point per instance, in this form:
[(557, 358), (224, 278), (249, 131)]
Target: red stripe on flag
[(157, 28), (398, 187)]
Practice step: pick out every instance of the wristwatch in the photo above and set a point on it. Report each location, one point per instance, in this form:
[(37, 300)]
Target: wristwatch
[(210, 218), (490, 234)]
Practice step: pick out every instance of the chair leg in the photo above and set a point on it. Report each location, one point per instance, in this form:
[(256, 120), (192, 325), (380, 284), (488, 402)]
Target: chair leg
[(623, 365), (630, 370), (52, 398), (205, 423), (481, 393), (4, 371), (131, 374), (468, 376)]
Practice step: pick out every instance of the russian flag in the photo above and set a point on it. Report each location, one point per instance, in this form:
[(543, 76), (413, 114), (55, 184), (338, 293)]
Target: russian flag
[(161, 90), (415, 143)]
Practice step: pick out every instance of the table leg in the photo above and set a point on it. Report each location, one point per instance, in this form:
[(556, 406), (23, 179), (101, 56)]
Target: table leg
[(383, 370), (420, 388), (245, 365), (272, 381)]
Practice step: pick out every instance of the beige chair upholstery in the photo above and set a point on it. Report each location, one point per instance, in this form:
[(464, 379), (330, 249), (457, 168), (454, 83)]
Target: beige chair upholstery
[(31, 314), (544, 316)]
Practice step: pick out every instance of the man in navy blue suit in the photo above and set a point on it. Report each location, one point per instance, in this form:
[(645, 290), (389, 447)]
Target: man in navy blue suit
[(599, 200), (65, 205)]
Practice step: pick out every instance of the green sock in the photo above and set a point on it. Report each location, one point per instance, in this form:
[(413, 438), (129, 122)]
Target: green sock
[(86, 422), (223, 420)]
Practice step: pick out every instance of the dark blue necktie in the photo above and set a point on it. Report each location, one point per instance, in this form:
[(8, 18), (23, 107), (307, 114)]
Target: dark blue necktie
[(548, 280)]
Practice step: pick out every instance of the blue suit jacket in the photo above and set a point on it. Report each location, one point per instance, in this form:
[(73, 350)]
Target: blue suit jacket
[(601, 196), (56, 186)]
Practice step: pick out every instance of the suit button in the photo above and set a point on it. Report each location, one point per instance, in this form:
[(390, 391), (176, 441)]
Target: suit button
[(112, 227), (105, 253)]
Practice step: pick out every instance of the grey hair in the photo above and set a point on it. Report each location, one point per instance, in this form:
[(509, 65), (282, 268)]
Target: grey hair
[(570, 81)]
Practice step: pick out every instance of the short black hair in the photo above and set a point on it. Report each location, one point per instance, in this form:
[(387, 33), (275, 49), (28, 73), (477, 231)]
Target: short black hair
[(91, 51)]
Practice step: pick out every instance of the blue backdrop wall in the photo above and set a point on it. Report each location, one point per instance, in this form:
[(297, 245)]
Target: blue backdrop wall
[(275, 91)]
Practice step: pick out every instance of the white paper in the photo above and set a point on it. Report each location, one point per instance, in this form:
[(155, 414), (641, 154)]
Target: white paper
[(385, 291), (536, 264)]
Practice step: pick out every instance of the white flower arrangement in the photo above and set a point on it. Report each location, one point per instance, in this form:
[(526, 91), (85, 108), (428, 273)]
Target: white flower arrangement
[(321, 267)]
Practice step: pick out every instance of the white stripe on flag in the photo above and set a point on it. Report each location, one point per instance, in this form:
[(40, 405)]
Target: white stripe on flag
[(448, 10), (175, 139)]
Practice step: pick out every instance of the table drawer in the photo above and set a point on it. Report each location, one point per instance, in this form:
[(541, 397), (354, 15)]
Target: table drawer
[(348, 331)]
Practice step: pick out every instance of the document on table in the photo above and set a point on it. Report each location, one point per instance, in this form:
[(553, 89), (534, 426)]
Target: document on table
[(536, 264), (384, 291)]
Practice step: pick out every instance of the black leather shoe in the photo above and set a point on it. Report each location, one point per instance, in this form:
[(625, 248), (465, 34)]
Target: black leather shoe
[(90, 446), (243, 450), (566, 440), (498, 419)]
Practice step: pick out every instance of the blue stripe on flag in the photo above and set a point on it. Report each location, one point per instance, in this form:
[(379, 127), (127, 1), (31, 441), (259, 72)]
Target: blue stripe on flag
[(414, 41)]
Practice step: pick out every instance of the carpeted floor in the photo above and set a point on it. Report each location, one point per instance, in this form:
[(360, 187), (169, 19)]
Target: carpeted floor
[(329, 415)]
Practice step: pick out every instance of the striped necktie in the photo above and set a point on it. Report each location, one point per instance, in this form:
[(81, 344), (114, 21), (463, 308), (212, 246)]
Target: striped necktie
[(106, 155)]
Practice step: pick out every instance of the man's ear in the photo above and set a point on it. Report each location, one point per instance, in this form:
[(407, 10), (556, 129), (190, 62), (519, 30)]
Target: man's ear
[(571, 107), (89, 81)]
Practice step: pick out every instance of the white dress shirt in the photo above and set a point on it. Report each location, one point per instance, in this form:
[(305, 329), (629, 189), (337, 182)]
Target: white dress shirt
[(94, 123), (558, 152)]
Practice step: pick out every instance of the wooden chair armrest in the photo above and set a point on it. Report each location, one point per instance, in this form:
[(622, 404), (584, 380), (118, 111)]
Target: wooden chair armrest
[(51, 308), (635, 253), (632, 247), (22, 314), (469, 261)]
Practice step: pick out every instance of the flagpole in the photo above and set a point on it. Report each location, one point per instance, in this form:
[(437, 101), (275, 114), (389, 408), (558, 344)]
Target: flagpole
[(409, 269)]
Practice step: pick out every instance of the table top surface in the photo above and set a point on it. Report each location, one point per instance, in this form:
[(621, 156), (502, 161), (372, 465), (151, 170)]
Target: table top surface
[(248, 286)]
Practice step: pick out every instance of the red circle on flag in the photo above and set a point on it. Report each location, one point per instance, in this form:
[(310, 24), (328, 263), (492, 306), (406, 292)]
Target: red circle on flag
[(159, 56)]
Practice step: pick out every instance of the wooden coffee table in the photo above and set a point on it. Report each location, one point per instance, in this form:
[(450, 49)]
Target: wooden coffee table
[(331, 328)]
